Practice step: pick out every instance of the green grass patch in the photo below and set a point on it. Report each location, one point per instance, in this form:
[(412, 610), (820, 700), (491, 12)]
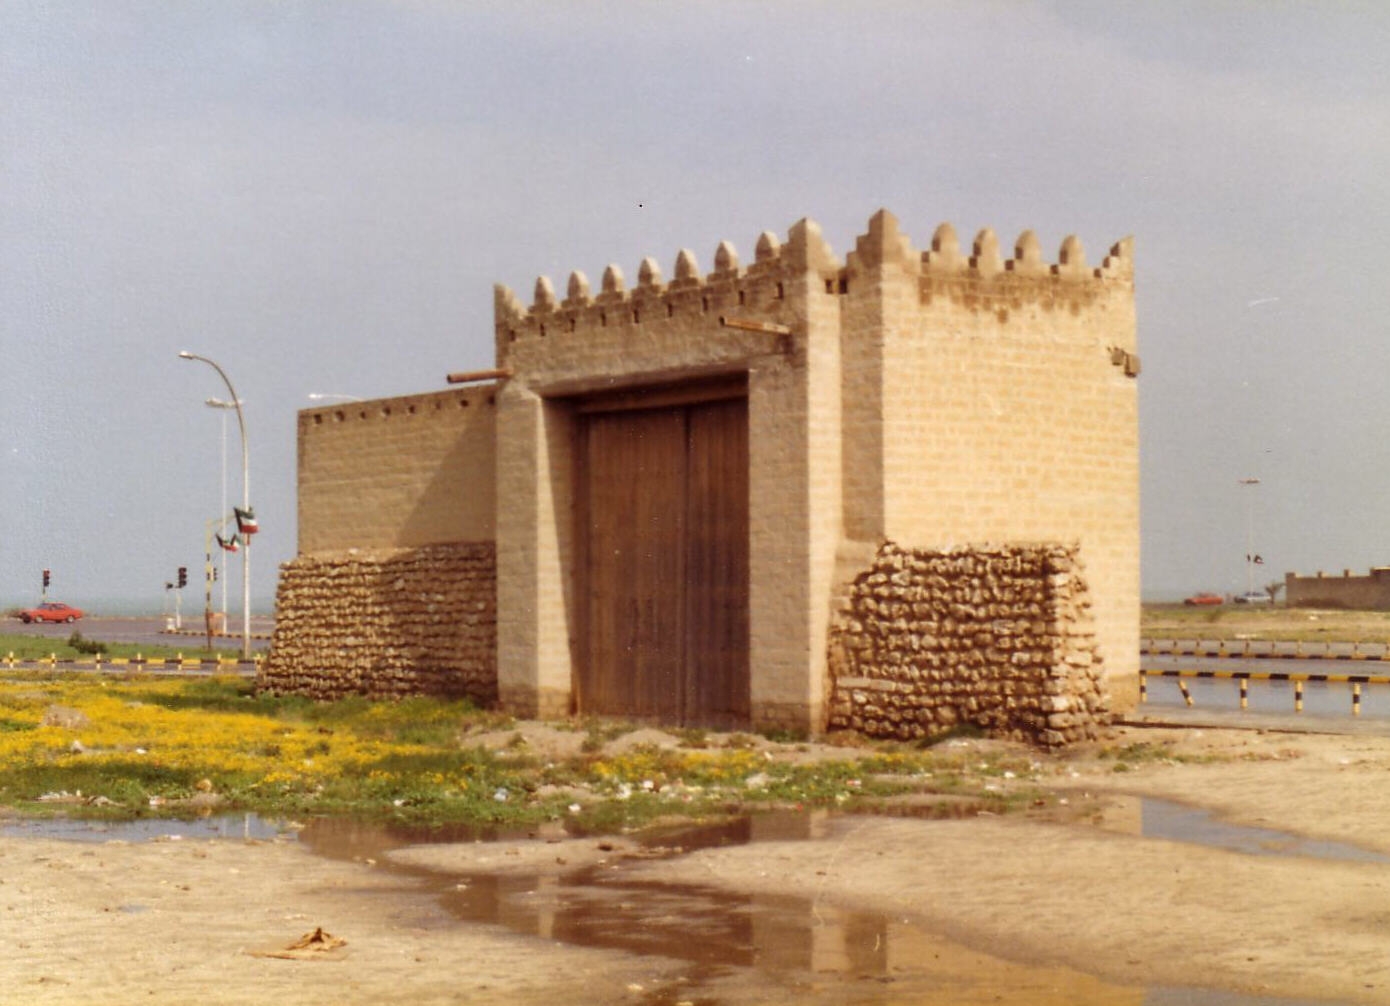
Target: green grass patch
[(26, 647)]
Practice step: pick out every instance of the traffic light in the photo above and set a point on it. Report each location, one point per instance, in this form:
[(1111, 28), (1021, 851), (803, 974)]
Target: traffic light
[(183, 576), (47, 575)]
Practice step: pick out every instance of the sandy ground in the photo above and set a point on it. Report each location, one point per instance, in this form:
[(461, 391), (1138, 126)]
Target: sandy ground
[(1070, 905), (182, 922)]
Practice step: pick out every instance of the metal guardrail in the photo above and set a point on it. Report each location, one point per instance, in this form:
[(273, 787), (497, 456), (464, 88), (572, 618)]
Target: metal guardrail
[(1298, 678), (1263, 649), (96, 662)]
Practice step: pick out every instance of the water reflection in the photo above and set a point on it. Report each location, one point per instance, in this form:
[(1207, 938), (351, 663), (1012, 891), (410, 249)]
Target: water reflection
[(602, 906), (1153, 817), (767, 949), (1171, 996), (235, 826)]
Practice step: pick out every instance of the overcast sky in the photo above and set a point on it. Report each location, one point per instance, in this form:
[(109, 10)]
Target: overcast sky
[(320, 195)]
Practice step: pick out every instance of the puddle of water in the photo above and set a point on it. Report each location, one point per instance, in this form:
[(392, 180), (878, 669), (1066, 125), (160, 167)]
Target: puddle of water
[(738, 949), (1174, 996), (817, 953), (1153, 817), (225, 826)]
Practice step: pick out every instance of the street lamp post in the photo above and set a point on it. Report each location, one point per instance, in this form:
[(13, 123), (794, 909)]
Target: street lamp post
[(1250, 555), (245, 503), (217, 403)]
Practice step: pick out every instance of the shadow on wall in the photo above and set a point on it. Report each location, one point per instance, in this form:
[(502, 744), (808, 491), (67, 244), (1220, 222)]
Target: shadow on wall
[(458, 500)]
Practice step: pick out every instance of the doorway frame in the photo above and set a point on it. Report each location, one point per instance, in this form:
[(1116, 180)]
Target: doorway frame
[(641, 398)]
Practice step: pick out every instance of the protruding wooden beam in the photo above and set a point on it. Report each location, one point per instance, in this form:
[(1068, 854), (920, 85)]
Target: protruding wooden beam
[(473, 376), (767, 327)]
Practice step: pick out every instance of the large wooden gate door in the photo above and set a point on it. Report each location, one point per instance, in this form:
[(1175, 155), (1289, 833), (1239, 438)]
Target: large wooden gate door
[(663, 534)]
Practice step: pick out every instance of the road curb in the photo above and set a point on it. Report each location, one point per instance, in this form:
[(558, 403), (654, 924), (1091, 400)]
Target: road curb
[(194, 634)]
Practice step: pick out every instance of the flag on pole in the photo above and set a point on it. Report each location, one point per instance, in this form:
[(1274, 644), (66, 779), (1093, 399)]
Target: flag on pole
[(230, 544), (246, 520)]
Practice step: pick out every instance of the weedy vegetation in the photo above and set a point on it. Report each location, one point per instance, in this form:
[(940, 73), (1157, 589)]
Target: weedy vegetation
[(138, 745)]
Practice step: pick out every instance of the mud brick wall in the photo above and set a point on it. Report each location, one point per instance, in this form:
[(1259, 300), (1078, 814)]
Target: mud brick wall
[(996, 636), (386, 623), (398, 472)]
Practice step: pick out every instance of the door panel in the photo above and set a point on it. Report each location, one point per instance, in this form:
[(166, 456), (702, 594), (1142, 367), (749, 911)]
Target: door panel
[(635, 469), (663, 512), (716, 580)]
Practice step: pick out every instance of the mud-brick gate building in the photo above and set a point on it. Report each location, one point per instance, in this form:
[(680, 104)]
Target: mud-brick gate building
[(891, 493)]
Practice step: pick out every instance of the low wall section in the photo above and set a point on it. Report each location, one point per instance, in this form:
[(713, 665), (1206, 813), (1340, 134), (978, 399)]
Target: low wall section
[(398, 472), (996, 636), (387, 623), (1367, 593)]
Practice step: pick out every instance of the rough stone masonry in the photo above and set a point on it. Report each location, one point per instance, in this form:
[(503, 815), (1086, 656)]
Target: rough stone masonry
[(387, 623), (997, 637)]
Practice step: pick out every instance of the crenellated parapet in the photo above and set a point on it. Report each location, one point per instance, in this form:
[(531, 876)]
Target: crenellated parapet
[(977, 277), (760, 289), (983, 278)]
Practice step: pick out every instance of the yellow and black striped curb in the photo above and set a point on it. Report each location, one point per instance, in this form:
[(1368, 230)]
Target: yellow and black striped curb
[(10, 661), (1268, 676), (199, 634), (1299, 678), (1242, 649)]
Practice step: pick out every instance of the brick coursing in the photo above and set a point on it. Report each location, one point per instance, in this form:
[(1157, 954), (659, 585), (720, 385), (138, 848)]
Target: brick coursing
[(387, 623), (397, 472), (996, 636)]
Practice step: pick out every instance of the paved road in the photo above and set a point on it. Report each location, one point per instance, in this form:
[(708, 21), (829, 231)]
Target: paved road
[(141, 630)]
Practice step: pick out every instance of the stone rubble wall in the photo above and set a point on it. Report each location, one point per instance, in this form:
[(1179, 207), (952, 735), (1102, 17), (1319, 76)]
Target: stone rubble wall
[(387, 623), (1000, 637)]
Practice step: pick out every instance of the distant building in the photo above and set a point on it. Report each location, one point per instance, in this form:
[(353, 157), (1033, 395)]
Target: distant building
[(1368, 593)]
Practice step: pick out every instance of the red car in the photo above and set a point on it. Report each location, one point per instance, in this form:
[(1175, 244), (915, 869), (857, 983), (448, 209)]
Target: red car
[(1203, 599), (51, 611)]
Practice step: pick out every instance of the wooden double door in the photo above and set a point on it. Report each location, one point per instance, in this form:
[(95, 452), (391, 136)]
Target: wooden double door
[(662, 499)]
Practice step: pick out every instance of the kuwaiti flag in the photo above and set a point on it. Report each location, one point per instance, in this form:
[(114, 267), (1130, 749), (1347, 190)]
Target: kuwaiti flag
[(246, 521), (230, 544)]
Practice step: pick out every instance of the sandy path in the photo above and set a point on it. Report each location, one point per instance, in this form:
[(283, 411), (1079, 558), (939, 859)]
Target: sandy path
[(171, 922)]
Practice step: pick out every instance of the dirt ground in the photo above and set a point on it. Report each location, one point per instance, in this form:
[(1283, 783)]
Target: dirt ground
[(1247, 621), (1066, 904)]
